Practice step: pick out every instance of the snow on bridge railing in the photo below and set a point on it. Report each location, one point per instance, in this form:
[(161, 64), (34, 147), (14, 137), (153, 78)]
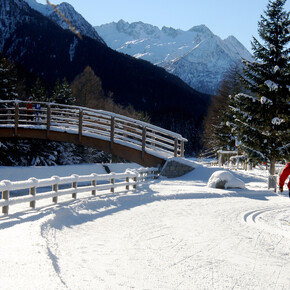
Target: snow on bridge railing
[(55, 187), (94, 123)]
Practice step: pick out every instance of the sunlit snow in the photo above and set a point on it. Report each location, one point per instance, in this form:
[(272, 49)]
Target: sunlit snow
[(169, 234)]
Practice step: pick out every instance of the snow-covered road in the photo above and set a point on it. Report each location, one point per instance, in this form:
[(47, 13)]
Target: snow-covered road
[(171, 234)]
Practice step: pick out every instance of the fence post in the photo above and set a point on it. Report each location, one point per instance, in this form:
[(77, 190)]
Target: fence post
[(75, 185), (81, 113), (16, 118), (94, 183), (55, 188), (112, 132), (112, 182), (144, 131), (5, 195), (155, 172), (135, 181), (48, 120), (32, 191), (127, 180)]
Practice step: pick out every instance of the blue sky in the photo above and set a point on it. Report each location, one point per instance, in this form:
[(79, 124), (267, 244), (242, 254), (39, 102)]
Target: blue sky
[(222, 17)]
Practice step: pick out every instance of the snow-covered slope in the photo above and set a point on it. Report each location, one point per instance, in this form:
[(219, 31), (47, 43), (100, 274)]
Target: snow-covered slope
[(197, 56), (9, 13), (69, 12)]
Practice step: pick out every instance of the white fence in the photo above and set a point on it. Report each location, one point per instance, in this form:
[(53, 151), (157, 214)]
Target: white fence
[(71, 185)]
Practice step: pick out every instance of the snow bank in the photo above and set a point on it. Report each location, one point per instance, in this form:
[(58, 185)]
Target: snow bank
[(224, 179)]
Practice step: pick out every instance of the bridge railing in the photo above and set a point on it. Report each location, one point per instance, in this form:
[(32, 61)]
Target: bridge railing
[(89, 122), (55, 187)]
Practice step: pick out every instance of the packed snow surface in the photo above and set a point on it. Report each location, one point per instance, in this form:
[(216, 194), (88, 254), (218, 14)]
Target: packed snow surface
[(169, 234)]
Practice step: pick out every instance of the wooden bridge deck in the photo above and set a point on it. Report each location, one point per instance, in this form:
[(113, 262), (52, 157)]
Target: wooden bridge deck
[(136, 141)]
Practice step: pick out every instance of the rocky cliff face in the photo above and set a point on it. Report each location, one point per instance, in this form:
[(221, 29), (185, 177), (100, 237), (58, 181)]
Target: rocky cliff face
[(76, 19)]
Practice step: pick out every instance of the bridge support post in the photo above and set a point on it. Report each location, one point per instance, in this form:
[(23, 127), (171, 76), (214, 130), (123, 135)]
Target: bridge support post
[(81, 113), (144, 131), (16, 119), (112, 132), (48, 117)]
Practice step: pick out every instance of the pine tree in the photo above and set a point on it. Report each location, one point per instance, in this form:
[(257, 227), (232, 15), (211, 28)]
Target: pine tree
[(217, 125), (62, 93), (7, 80), (262, 117), (38, 92)]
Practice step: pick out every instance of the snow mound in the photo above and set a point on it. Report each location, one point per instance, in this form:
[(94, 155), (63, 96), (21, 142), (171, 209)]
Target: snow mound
[(224, 180)]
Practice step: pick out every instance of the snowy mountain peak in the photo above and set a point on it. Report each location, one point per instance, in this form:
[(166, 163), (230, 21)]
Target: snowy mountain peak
[(197, 56), (136, 29), (201, 29), (69, 12), (43, 9), (235, 44), (171, 32)]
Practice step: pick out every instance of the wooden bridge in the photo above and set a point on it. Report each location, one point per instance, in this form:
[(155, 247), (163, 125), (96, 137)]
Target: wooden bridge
[(133, 140)]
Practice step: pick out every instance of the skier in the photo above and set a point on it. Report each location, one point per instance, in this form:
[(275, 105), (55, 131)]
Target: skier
[(285, 173)]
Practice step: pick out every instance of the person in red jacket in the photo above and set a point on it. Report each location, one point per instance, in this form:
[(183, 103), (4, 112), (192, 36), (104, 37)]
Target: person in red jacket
[(285, 173), (29, 107)]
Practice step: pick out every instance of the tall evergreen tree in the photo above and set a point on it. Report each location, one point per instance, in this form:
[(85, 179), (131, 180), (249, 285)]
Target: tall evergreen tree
[(7, 79), (38, 92), (262, 117), (62, 93), (217, 125)]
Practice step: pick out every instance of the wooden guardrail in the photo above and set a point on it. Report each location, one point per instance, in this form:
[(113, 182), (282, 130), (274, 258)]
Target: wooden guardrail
[(55, 187), (94, 123)]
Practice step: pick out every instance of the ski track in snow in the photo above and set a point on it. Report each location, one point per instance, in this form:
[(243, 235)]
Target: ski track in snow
[(170, 234)]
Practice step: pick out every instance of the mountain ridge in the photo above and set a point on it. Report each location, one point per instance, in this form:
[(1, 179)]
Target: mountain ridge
[(208, 54)]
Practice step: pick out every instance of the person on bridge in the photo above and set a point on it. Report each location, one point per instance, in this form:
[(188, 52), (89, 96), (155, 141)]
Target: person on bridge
[(285, 173), (37, 109), (29, 111)]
